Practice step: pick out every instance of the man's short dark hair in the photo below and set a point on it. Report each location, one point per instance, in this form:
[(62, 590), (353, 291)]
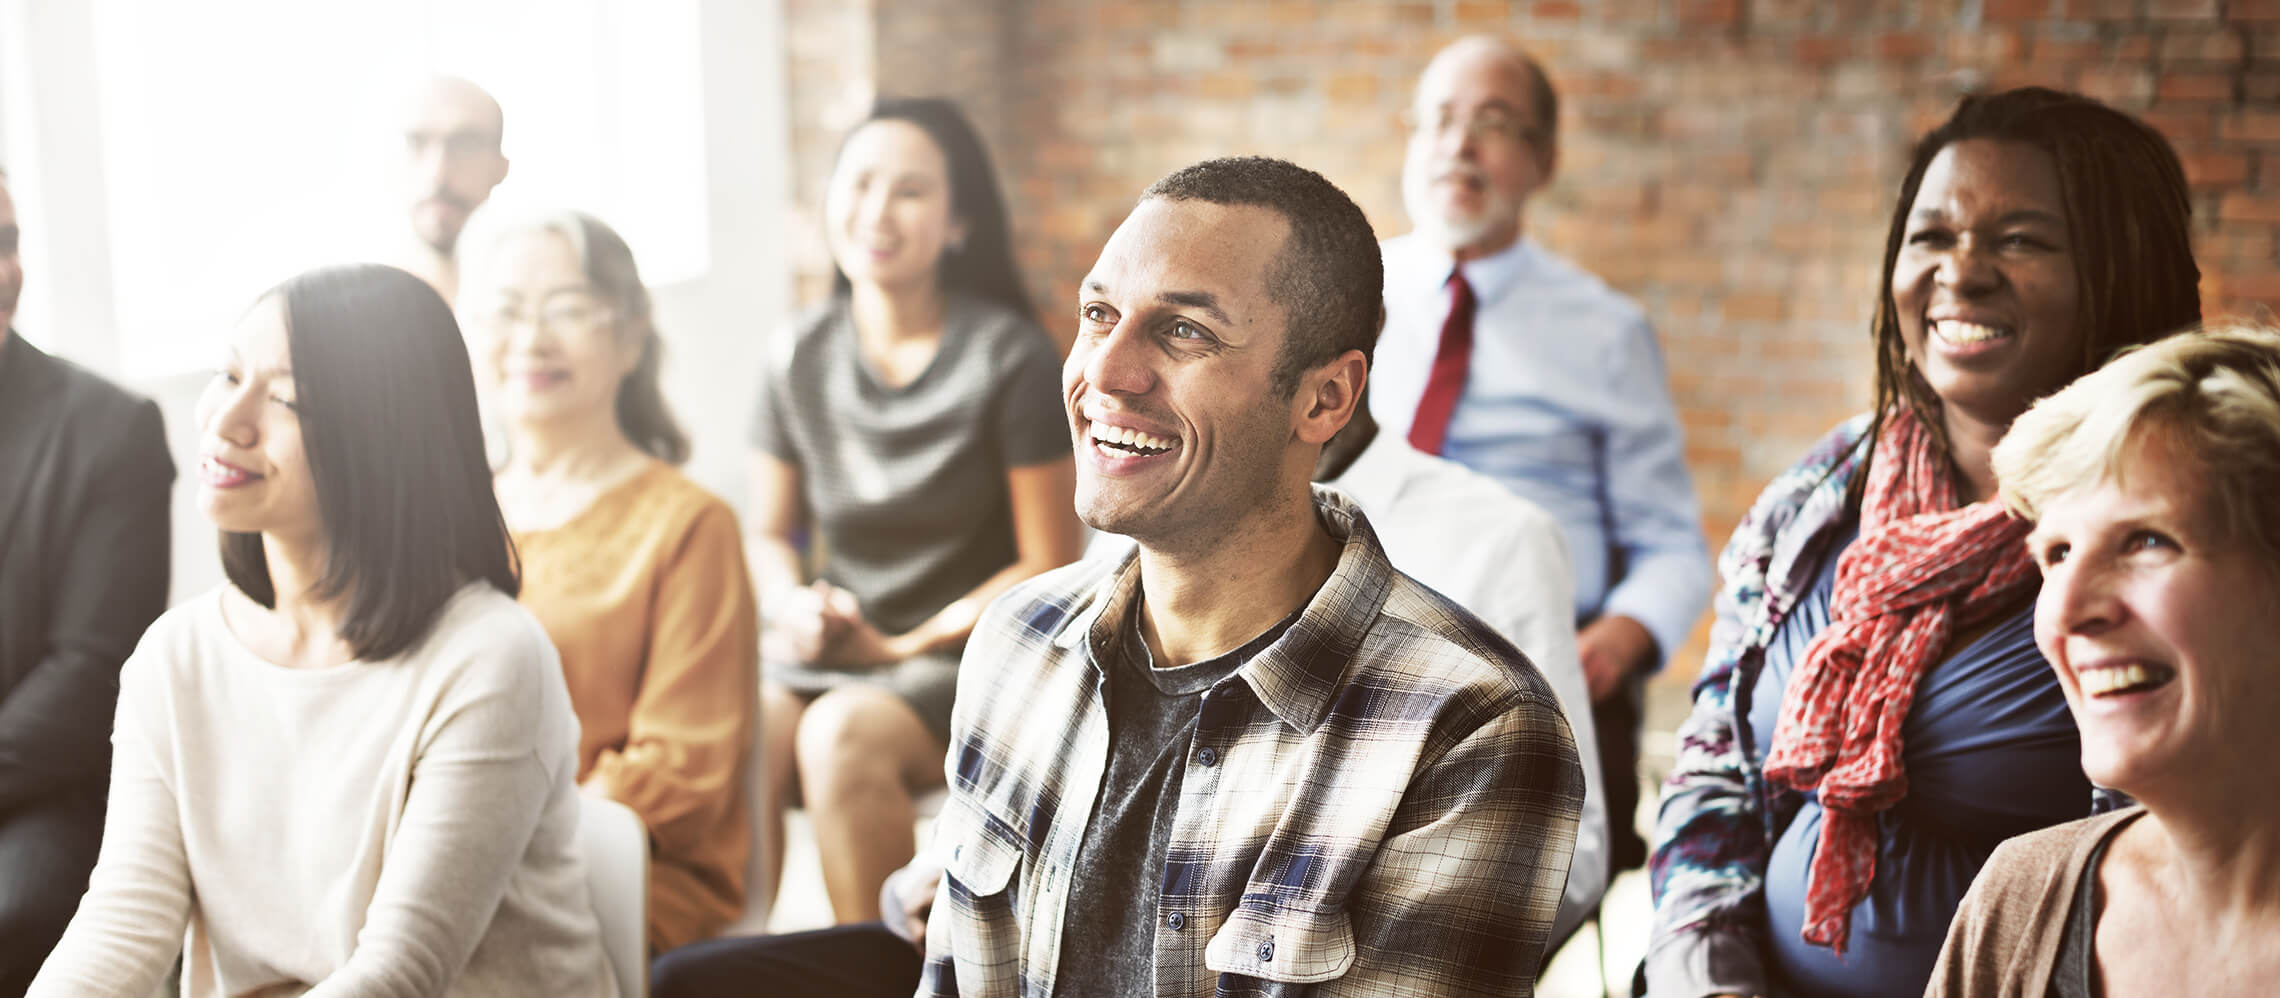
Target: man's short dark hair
[(1329, 274), (386, 398)]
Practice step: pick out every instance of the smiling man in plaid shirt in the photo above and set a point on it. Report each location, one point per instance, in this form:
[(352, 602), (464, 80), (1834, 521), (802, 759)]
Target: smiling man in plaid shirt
[(1251, 757)]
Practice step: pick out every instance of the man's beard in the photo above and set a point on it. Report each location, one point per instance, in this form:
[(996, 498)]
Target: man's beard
[(1451, 234), (445, 239)]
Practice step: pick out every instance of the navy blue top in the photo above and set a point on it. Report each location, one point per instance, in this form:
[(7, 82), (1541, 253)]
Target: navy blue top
[(1990, 752)]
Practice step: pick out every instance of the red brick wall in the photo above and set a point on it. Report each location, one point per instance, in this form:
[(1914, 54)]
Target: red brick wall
[(829, 81), (1729, 163)]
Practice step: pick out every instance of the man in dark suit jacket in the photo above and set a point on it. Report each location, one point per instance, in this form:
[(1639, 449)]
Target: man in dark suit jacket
[(84, 478)]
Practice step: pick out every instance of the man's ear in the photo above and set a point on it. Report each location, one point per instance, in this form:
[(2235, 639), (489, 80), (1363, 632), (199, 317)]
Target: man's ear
[(1329, 394)]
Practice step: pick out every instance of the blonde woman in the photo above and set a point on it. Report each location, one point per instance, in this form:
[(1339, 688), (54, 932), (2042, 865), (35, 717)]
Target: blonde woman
[(2154, 486)]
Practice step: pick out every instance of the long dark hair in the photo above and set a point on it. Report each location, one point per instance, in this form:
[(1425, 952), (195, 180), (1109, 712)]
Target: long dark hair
[(386, 401), (983, 266), (2126, 204)]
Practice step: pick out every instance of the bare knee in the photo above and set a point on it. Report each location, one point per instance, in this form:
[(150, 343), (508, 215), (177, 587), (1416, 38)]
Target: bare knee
[(855, 740)]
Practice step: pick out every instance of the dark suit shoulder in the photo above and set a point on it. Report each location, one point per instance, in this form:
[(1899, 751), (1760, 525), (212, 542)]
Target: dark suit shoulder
[(86, 403)]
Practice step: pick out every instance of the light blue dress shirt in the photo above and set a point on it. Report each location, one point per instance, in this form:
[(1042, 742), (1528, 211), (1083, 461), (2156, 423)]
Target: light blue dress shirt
[(1566, 404)]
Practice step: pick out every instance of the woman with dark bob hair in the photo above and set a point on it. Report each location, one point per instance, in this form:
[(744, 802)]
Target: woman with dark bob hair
[(1874, 717), (2154, 487), (350, 770), (912, 424)]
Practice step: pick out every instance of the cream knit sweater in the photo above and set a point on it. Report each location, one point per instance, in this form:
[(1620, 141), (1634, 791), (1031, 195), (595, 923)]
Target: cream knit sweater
[(406, 827)]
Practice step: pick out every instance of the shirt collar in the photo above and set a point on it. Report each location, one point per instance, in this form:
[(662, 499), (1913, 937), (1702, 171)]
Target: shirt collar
[(1490, 276), (1298, 676), (1375, 475)]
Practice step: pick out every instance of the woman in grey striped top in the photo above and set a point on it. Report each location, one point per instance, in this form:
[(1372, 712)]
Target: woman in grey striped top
[(910, 460)]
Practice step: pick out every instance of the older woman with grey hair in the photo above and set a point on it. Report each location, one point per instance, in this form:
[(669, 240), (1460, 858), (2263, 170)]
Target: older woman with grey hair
[(637, 572), (2154, 486)]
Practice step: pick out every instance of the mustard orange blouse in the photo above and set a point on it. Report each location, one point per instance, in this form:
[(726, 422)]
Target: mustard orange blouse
[(647, 599)]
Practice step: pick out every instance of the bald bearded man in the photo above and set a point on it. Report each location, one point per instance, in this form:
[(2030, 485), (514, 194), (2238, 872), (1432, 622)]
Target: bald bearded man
[(452, 160)]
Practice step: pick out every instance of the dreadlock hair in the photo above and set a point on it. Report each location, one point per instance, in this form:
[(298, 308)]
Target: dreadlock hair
[(2124, 196)]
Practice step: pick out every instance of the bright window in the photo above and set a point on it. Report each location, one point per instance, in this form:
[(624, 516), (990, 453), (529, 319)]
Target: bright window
[(243, 141)]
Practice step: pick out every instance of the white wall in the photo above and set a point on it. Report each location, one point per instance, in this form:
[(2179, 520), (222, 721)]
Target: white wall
[(715, 326), (714, 313)]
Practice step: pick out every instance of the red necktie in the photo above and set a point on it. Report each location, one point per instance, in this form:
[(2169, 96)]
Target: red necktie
[(1447, 381)]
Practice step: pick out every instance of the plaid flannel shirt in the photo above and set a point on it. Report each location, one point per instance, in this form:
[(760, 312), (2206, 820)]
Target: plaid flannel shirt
[(1381, 803)]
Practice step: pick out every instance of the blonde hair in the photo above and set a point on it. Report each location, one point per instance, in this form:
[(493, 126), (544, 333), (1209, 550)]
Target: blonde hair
[(2211, 393)]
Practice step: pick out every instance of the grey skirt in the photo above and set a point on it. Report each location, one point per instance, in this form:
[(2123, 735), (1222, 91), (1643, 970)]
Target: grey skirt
[(925, 682)]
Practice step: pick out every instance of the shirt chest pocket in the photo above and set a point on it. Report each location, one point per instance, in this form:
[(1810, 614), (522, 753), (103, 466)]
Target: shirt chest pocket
[(980, 857), (978, 851), (1282, 946)]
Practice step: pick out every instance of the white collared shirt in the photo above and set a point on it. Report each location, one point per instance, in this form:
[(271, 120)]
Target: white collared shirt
[(1564, 403), (1505, 559)]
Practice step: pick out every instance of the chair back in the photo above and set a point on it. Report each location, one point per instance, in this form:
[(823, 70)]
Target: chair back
[(616, 848), (759, 887)]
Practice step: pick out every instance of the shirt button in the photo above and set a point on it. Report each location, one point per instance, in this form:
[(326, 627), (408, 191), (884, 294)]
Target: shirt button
[(1266, 951), (1209, 757), (1177, 921)]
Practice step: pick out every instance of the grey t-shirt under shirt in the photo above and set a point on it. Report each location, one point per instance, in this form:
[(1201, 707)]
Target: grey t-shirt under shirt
[(1108, 946), (907, 485)]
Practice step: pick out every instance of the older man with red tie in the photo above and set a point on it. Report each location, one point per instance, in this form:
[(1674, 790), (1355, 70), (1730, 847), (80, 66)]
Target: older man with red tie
[(1507, 359)]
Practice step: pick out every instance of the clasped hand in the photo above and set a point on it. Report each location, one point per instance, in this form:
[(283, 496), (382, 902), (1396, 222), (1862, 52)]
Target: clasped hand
[(822, 624)]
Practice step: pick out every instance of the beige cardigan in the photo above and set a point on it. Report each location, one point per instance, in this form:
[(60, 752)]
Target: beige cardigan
[(2004, 940)]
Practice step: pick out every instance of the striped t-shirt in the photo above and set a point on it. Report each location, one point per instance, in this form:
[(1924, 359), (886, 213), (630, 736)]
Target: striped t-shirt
[(907, 485)]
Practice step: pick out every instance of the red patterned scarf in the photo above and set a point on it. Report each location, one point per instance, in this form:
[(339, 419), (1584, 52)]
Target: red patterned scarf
[(1920, 568)]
